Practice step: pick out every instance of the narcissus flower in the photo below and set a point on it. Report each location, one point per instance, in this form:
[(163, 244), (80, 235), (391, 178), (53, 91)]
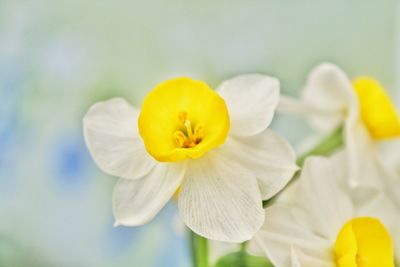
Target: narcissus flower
[(319, 224), (330, 99), (211, 149), (335, 98)]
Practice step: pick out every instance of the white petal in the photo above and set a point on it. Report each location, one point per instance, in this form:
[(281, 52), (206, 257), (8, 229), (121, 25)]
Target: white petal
[(330, 91), (363, 166), (136, 202), (220, 200), (300, 259), (319, 193), (350, 180), (390, 153), (365, 170), (111, 134), (281, 232), (295, 258), (268, 156), (379, 206), (375, 191), (251, 101), (375, 185)]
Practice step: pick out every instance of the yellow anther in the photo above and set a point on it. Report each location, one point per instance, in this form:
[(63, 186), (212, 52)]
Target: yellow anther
[(188, 126), (180, 139), (198, 133)]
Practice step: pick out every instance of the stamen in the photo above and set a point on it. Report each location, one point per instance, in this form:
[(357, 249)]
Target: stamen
[(198, 133), (188, 138), (188, 126), (180, 139)]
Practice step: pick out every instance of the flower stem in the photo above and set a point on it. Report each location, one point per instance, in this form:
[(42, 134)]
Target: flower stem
[(199, 246), (325, 147)]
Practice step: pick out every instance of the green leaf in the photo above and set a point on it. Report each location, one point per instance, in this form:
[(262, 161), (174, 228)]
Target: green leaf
[(242, 259)]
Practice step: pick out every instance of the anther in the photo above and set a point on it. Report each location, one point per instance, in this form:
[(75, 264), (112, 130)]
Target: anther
[(180, 139), (189, 130), (198, 133), (187, 138)]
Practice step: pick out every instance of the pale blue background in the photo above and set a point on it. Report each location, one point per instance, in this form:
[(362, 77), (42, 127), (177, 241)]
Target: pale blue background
[(59, 57)]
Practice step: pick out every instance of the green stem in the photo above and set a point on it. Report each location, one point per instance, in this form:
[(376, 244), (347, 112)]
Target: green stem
[(243, 252), (199, 247), (325, 147), (243, 246)]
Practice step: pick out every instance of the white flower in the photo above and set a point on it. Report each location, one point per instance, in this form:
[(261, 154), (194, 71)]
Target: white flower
[(319, 225), (212, 149), (330, 100), (370, 119)]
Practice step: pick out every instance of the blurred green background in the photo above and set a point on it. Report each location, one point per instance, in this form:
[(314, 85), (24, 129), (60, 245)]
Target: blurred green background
[(59, 57)]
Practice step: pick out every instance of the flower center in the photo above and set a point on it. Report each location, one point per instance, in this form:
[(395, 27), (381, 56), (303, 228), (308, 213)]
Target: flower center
[(363, 242), (376, 109), (188, 137), (173, 119)]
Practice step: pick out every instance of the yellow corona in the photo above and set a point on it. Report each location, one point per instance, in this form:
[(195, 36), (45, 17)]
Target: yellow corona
[(377, 110), (182, 118), (364, 242)]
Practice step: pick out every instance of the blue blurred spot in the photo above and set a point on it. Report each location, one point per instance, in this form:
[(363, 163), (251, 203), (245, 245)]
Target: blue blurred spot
[(8, 132), (71, 162)]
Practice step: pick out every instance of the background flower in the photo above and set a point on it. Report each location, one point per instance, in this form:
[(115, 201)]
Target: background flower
[(363, 109), (304, 227)]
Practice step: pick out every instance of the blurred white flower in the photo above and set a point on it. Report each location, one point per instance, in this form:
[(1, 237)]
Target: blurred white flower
[(212, 149), (370, 122), (319, 224), (369, 117)]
